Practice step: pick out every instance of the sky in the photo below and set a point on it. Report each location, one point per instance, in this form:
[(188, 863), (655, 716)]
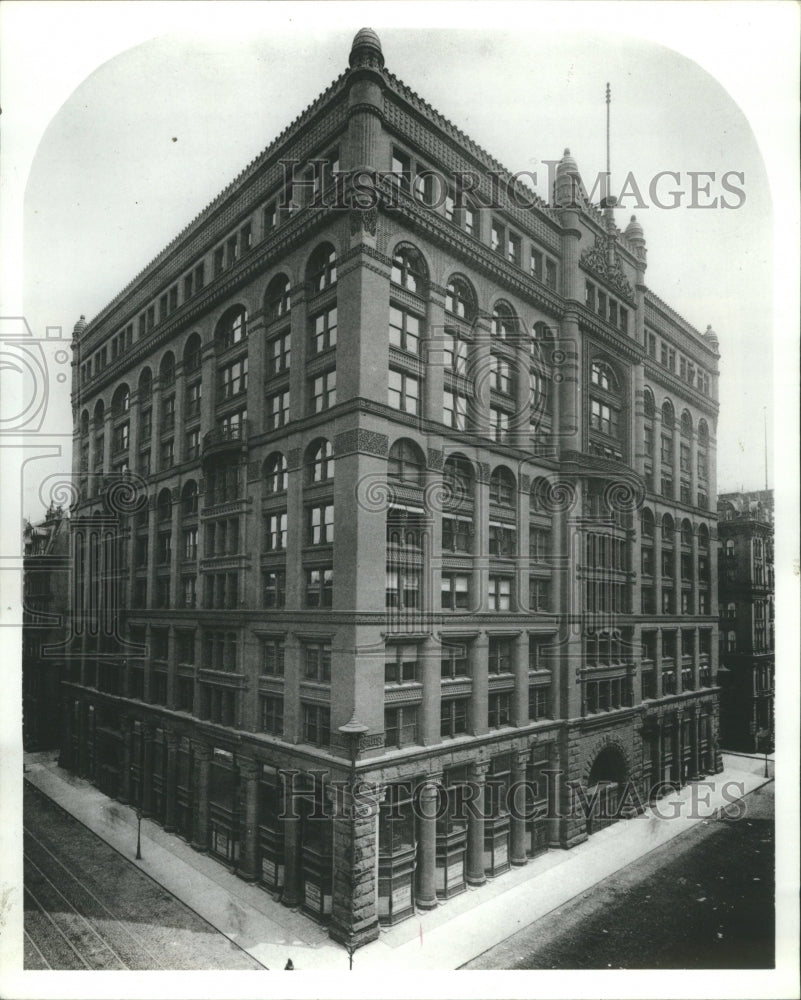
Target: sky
[(153, 132)]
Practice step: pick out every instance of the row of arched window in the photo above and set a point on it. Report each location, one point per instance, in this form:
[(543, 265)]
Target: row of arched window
[(668, 415)]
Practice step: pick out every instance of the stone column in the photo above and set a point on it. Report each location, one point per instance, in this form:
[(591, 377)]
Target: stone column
[(430, 655), (675, 773), (171, 782), (520, 668), (354, 914), (200, 796), (475, 826), (108, 428), (696, 576), (658, 662), (428, 797), (248, 862), (517, 827), (679, 662), (657, 563), (432, 355), (479, 662), (478, 369)]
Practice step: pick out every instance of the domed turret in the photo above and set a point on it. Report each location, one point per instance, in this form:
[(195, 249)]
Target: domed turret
[(711, 337), (568, 187), (366, 49), (636, 237), (79, 327)]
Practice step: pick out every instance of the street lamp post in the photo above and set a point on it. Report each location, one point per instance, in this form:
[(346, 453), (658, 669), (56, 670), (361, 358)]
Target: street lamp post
[(353, 732)]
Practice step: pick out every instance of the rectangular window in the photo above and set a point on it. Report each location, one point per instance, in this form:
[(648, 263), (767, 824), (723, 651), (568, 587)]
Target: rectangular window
[(499, 424), (320, 524), (400, 726), (455, 592), (167, 454), (277, 410), (501, 377), (402, 169), (190, 543), (316, 725), (271, 710), (324, 391), (603, 418), (272, 657), (550, 272), (168, 414), (400, 665), (192, 445), (539, 594), (324, 335), (404, 330), (513, 251), (403, 392), (273, 588), (667, 486), (275, 531), (219, 261), (538, 702), (317, 666), (539, 544), (456, 533), (535, 265), (453, 717), (319, 587), (497, 236), (454, 661), (279, 354), (121, 437), (500, 593), (194, 393), (499, 710), (189, 585), (233, 379), (502, 539), (500, 656), (454, 410), (270, 218)]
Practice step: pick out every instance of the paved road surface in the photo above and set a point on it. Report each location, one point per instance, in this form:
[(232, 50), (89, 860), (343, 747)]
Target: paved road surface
[(88, 907), (703, 901)]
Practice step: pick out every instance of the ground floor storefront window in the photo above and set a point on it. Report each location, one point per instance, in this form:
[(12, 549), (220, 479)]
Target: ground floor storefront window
[(396, 854)]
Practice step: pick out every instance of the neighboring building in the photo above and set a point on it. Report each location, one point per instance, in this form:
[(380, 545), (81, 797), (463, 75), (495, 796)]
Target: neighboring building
[(746, 601), (44, 627), (442, 468)]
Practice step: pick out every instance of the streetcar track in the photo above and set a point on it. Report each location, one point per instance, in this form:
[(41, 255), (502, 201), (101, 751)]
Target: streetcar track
[(81, 916), (58, 930), (37, 793), (36, 948), (116, 917)]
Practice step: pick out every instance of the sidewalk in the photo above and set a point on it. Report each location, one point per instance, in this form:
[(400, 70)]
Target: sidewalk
[(443, 938)]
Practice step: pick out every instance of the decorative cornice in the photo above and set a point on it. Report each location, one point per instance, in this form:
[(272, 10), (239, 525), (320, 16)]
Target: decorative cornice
[(595, 260)]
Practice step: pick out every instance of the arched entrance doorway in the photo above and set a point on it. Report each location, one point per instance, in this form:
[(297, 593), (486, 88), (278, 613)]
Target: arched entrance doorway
[(605, 783)]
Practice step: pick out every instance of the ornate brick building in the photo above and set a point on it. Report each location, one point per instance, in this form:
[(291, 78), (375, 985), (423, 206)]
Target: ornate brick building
[(423, 454), (746, 600)]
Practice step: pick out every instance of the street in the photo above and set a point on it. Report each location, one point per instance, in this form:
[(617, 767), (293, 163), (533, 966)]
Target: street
[(88, 907), (703, 901)]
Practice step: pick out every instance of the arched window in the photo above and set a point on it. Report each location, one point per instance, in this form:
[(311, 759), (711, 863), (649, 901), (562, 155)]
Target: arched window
[(189, 499), (703, 537), (278, 298), (232, 328), (649, 407), (145, 384), (409, 269), (460, 298), (686, 424), (275, 473), (703, 434), (167, 370), (668, 416), (686, 532), (667, 530), (647, 523), (192, 353), (121, 400), (406, 463), (99, 413), (731, 642), (164, 505), (504, 321), (602, 376), (321, 271), (730, 548), (85, 422), (457, 474), (502, 487), (321, 461)]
